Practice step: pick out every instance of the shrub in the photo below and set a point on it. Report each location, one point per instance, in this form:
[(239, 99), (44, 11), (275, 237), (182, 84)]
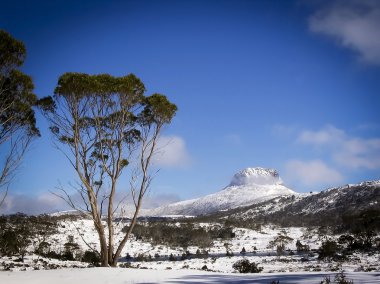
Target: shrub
[(201, 254), (181, 235), (91, 257), (280, 249), (43, 248), (245, 266), (243, 251), (172, 257), (8, 243), (15, 241), (141, 257), (301, 247), (340, 278), (67, 255), (328, 250), (53, 254), (71, 249)]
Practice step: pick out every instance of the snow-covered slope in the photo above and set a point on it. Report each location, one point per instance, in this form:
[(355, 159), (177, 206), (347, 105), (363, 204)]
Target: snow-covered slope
[(249, 186), (325, 207)]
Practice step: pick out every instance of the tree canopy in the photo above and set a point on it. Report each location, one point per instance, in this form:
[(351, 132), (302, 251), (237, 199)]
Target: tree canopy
[(17, 117)]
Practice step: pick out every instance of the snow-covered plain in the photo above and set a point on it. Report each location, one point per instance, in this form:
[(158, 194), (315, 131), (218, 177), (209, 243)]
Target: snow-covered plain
[(302, 268), (255, 243), (128, 275)]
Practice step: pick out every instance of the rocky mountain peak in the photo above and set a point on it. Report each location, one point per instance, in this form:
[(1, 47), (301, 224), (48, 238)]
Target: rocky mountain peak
[(256, 176)]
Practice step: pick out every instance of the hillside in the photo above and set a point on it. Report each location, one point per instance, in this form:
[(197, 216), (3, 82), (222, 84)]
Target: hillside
[(327, 207), (249, 186)]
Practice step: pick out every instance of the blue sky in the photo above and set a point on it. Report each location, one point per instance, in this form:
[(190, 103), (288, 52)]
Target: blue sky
[(291, 85)]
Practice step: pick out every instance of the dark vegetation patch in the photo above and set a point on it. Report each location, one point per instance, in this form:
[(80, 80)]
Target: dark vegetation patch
[(175, 234)]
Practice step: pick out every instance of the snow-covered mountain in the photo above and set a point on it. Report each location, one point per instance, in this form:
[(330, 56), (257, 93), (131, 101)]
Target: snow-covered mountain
[(249, 186), (326, 207)]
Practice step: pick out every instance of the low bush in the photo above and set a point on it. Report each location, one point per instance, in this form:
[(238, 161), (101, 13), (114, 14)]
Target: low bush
[(328, 250), (245, 266), (340, 278), (91, 257)]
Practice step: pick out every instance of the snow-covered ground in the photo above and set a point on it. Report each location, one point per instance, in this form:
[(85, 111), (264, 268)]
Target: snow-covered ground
[(127, 275), (255, 244)]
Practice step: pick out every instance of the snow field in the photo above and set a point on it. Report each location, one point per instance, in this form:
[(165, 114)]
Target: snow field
[(82, 231), (134, 276), (217, 260)]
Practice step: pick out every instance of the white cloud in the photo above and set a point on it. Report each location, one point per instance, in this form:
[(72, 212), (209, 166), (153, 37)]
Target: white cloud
[(345, 150), (50, 203), (359, 153), (159, 199), (312, 173), (172, 152), (44, 203), (355, 24), (327, 135)]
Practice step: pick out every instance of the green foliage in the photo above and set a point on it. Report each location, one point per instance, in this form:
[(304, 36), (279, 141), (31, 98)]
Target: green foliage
[(280, 243), (16, 90), (9, 244), (367, 220), (114, 103), (157, 110), (328, 250), (17, 117), (43, 248), (91, 257), (184, 235), (80, 85), (167, 234), (245, 266), (16, 102), (360, 241), (301, 247), (12, 53), (19, 230), (243, 251), (280, 249), (71, 249), (105, 118), (222, 232)]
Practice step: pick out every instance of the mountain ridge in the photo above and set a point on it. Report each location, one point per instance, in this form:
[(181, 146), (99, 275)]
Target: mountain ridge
[(248, 186), (329, 207)]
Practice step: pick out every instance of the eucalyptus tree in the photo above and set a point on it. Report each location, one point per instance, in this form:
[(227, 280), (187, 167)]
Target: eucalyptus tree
[(17, 118), (103, 124)]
